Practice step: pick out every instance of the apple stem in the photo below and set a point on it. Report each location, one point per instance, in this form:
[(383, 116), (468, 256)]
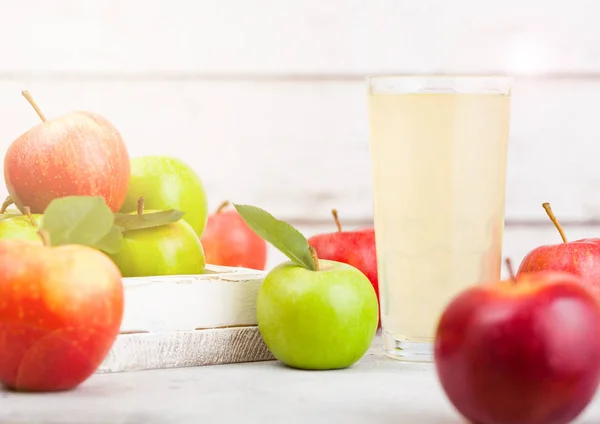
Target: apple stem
[(140, 207), (7, 202), (511, 272), (45, 236), (315, 257), (552, 217), (337, 220), (222, 206), (28, 214), (33, 104)]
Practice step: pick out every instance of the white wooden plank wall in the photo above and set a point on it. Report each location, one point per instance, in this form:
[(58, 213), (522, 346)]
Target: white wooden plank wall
[(266, 99)]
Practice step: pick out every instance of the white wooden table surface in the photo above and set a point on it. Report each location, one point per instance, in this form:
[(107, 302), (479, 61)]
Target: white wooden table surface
[(376, 390)]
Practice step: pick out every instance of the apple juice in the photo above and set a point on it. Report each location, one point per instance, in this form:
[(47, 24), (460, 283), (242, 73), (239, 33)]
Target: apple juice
[(439, 170)]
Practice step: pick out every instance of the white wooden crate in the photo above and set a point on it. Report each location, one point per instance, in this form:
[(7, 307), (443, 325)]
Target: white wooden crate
[(189, 320)]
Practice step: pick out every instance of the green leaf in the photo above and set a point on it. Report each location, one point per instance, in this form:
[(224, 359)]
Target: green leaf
[(280, 234), (147, 220), (111, 242), (77, 220)]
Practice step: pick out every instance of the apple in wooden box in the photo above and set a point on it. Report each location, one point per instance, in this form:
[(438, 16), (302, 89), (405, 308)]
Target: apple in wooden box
[(80, 153)]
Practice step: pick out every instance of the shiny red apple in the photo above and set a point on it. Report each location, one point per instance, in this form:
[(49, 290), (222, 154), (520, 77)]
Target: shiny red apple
[(525, 350), (228, 241), (60, 313), (79, 154), (353, 247), (578, 257)]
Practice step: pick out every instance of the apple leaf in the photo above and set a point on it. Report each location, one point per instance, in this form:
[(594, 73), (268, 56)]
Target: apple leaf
[(77, 220), (147, 220), (111, 242), (283, 236)]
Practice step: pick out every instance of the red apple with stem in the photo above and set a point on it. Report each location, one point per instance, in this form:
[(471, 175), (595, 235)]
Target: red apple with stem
[(353, 247), (80, 153), (228, 241), (60, 313), (578, 257), (525, 350)]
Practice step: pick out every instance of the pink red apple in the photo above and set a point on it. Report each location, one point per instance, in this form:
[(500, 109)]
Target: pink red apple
[(578, 257), (228, 241), (525, 351), (60, 313), (80, 153), (353, 247)]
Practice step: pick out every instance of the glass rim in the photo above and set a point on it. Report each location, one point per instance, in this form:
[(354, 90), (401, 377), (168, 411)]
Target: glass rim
[(441, 83), (441, 76)]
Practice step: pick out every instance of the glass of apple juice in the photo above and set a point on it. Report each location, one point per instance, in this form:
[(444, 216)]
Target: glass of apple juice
[(438, 148)]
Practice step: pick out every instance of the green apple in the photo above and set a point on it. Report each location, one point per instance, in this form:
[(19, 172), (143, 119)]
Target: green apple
[(169, 249), (317, 319), (167, 183), (20, 227), (312, 313)]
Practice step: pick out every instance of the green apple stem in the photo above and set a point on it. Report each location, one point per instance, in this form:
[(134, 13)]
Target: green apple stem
[(337, 220), (45, 236), (315, 257), (511, 272), (33, 104), (140, 207), (29, 216), (7, 202), (222, 206), (552, 217)]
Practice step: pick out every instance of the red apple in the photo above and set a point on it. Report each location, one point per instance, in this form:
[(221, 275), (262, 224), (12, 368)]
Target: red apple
[(525, 351), (60, 313), (579, 257), (228, 241), (356, 248), (79, 154)]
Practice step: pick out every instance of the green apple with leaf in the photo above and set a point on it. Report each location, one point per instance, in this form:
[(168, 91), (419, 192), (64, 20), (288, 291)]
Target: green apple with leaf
[(157, 243), (312, 313), (167, 183), (83, 220), (20, 226)]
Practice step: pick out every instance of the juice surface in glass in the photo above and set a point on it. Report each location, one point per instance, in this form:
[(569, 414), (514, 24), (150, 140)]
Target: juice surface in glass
[(438, 150)]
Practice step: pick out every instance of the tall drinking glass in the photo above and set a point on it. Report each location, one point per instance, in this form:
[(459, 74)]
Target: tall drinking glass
[(438, 153)]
